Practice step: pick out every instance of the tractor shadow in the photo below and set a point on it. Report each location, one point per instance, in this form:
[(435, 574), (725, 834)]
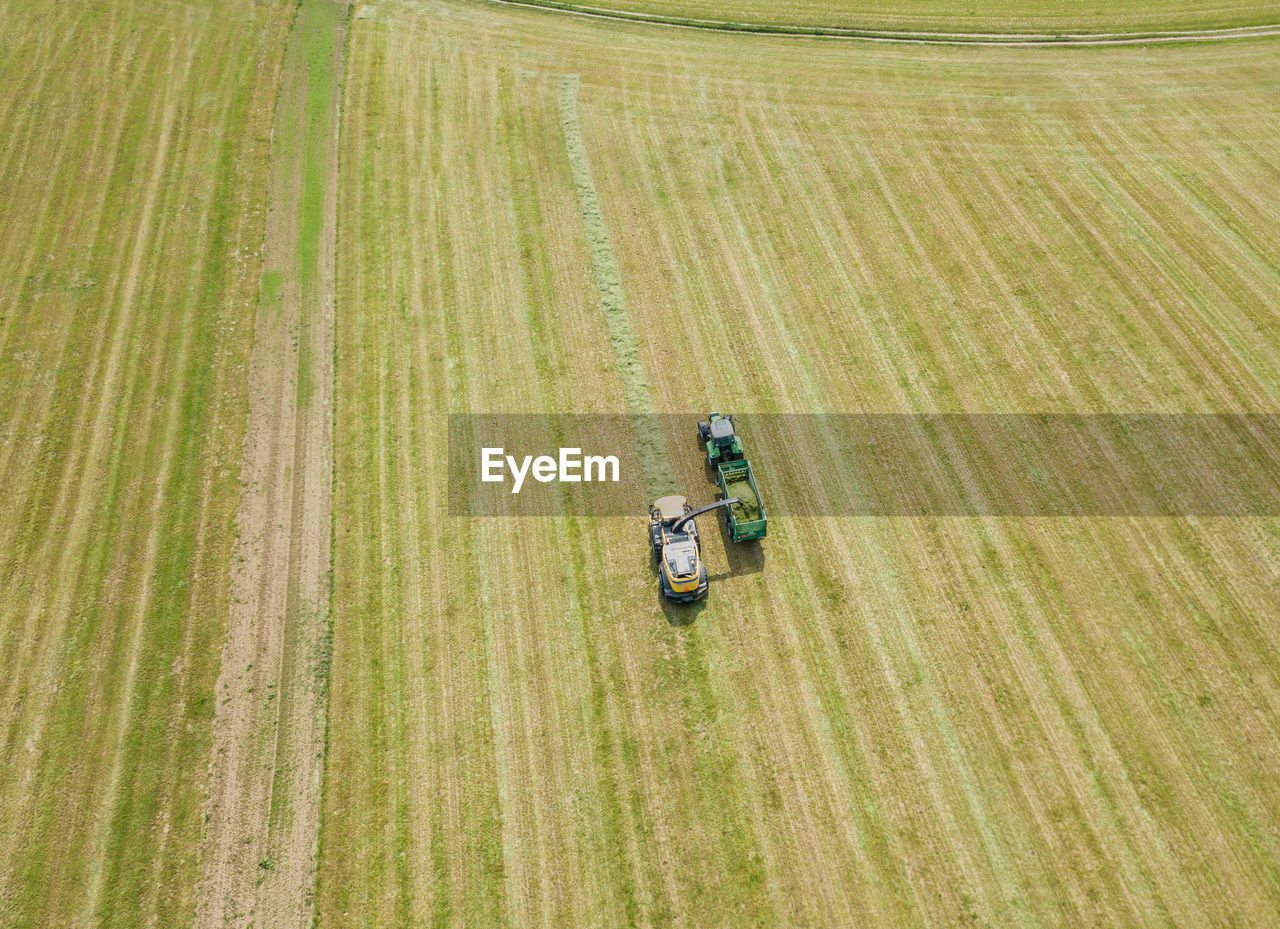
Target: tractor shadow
[(681, 614), (744, 558)]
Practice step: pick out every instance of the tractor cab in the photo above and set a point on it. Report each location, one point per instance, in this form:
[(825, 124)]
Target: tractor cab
[(720, 440), (722, 431)]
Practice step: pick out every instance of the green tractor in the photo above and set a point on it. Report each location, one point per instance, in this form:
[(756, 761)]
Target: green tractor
[(719, 439), (745, 519)]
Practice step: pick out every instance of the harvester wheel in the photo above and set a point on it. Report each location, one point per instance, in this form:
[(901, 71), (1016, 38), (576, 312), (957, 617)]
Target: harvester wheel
[(704, 431)]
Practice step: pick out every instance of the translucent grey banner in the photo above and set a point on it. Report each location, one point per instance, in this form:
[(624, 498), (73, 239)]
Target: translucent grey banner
[(1146, 464)]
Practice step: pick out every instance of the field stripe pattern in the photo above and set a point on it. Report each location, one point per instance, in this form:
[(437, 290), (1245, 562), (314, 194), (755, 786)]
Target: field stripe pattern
[(899, 721), (122, 386)]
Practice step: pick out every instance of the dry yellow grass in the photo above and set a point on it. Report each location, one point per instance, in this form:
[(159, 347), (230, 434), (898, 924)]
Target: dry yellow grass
[(892, 722)]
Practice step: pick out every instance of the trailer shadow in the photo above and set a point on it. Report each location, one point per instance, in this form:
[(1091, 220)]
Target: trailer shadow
[(744, 557)]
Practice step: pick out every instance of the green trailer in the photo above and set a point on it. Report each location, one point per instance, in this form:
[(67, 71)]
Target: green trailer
[(746, 518)]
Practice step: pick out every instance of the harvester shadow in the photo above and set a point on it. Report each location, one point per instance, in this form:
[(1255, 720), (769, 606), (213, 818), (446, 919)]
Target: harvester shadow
[(681, 614), (744, 558)]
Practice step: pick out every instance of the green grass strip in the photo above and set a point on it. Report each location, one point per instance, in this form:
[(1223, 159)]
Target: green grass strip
[(655, 466)]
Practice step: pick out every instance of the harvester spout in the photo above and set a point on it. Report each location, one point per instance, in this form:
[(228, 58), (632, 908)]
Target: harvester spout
[(679, 523)]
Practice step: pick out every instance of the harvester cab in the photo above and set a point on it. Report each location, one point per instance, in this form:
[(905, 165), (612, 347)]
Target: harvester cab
[(719, 439)]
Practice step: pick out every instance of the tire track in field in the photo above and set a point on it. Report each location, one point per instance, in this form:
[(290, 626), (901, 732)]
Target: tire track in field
[(936, 788), (429, 599), (952, 791), (900, 209), (122, 510), (42, 63), (1057, 797), (810, 398), (1016, 558), (143, 600), (748, 850), (258, 859), (1131, 856), (58, 490), (826, 714), (826, 709), (102, 453), (901, 36), (635, 799), (546, 329), (744, 270), (782, 726), (1198, 263), (39, 412), (1184, 542)]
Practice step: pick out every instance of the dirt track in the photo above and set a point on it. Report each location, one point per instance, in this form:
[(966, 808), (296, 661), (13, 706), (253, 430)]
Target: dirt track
[(904, 36), (259, 853)]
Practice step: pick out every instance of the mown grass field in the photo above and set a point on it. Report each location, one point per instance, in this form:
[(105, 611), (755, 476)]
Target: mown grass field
[(950, 15), (909, 721), (132, 178), (871, 721)]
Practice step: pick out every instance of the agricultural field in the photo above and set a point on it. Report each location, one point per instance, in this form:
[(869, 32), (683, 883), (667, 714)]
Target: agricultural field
[(904, 721), (132, 183), (260, 672)]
